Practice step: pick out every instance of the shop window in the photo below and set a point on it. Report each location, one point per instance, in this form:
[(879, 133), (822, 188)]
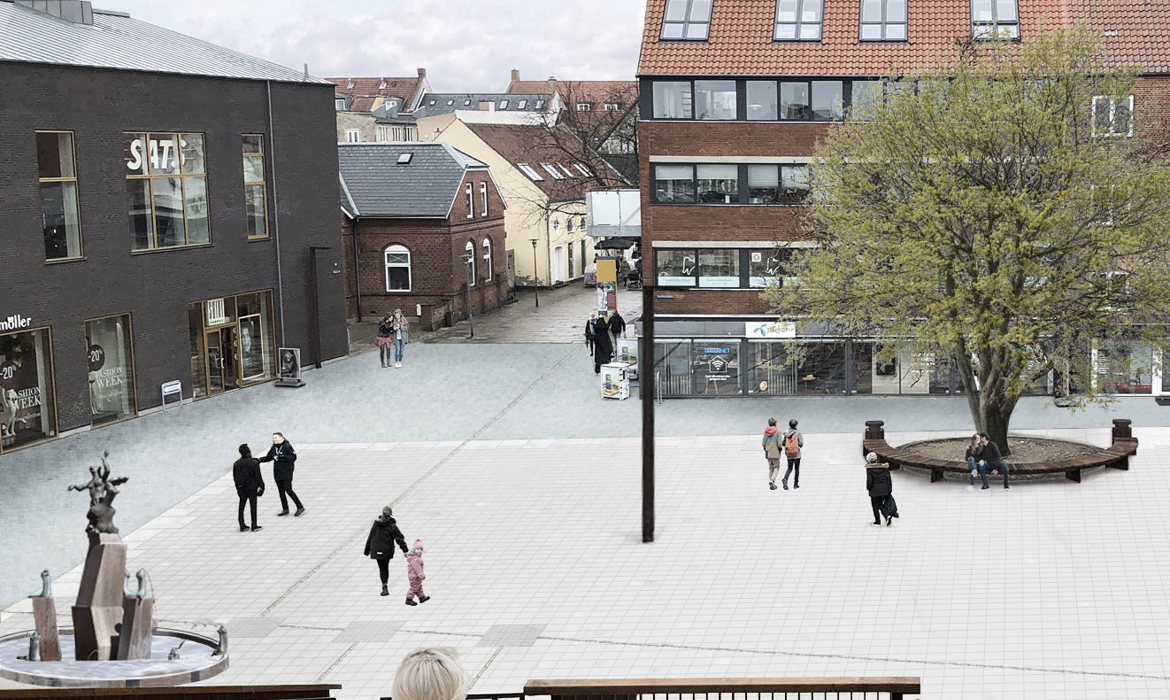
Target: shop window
[(717, 184), (769, 372), (715, 368), (257, 350), (761, 100), (798, 20), (822, 369), (672, 99), (27, 403), (110, 359), (995, 19), (60, 214), (687, 20), (883, 20), (767, 266), (398, 269), (166, 190), (715, 100), (255, 197), (674, 184), (675, 268), (487, 260), (719, 268), (672, 362), (1123, 367)]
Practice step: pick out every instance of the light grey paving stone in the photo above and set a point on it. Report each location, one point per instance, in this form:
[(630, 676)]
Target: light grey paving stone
[(252, 627), (511, 635), (369, 631)]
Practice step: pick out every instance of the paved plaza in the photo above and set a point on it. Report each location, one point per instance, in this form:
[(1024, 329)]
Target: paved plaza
[(524, 486)]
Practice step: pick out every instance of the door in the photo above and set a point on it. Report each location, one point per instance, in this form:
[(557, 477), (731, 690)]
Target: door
[(571, 266), (559, 264), (222, 360)]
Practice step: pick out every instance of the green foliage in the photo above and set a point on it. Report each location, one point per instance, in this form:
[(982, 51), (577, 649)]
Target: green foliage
[(978, 214)]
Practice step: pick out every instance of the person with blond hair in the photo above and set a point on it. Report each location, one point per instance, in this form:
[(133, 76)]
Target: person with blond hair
[(431, 673)]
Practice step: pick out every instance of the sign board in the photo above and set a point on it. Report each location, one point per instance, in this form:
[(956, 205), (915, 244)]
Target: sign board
[(215, 312), (288, 372), (15, 323), (769, 329), (606, 270), (171, 388)]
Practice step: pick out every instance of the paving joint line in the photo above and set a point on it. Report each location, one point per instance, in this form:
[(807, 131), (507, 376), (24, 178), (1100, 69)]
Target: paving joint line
[(483, 669), (417, 482), (339, 659)]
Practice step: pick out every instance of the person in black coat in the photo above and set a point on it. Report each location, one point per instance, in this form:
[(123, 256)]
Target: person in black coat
[(617, 326), (249, 483), (590, 331), (879, 485), (602, 347), (384, 533), (283, 456)]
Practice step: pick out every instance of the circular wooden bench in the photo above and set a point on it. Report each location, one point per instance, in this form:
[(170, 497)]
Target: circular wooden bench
[(1116, 456)]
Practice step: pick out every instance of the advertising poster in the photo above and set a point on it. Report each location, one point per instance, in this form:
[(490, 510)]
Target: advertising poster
[(252, 347), (290, 365)]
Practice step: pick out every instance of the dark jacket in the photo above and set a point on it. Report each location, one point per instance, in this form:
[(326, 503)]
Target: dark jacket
[(877, 480), (991, 454), (284, 456), (385, 329), (617, 324), (602, 345), (246, 472), (590, 328), (383, 534), (976, 453)]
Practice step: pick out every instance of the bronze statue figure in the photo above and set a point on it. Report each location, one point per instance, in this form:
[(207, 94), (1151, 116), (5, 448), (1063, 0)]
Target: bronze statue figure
[(102, 490), (46, 586)]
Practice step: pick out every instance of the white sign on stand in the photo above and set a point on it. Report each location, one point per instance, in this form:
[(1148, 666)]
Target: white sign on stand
[(171, 388), (615, 380)]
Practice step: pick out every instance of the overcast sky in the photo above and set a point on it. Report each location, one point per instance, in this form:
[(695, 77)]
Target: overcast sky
[(465, 45)]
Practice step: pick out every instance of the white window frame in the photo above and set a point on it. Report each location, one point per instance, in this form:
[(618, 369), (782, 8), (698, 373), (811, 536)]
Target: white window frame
[(383, 133), (353, 136), (584, 107), (469, 263), (551, 170), (611, 106), (583, 169), (470, 202), (1112, 116), (398, 250), (483, 201), (503, 104), (487, 260), (530, 172), (339, 104), (522, 104)]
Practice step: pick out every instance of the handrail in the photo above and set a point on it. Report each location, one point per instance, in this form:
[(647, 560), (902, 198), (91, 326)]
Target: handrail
[(897, 686), (309, 691)]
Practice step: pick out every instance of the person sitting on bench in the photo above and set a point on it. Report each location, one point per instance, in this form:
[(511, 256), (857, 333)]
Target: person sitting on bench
[(990, 458)]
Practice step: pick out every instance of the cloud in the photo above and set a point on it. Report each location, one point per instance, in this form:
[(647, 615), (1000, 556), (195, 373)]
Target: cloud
[(464, 44)]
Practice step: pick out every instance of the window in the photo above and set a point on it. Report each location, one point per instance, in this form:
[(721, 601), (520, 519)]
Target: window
[(60, 215), (26, 385), (383, 133), (483, 208), (687, 20), (794, 103), (469, 262), (548, 167), (793, 184), (720, 183), (532, 174), (995, 19), (166, 190), (404, 158), (110, 359), (798, 20), (761, 100), (866, 96), (883, 20), (763, 184), (719, 268), (352, 136), (450, 102), (569, 223), (672, 99), (402, 133), (715, 99), (539, 104), (674, 184), (339, 104), (566, 170), (487, 260), (827, 101), (522, 104), (1113, 116), (470, 201), (397, 269), (584, 107), (766, 266), (583, 169), (255, 197), (503, 104), (611, 106), (675, 268), (717, 184)]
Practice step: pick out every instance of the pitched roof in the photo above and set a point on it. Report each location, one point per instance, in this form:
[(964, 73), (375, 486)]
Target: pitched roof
[(434, 103), (531, 146), (374, 183), (366, 91), (625, 92), (119, 42), (1136, 31)]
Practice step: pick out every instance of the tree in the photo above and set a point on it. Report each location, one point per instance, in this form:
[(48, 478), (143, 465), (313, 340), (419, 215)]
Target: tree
[(993, 211)]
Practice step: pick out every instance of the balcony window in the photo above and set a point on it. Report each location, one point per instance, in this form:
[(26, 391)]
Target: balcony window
[(715, 99), (687, 20), (883, 20), (798, 20)]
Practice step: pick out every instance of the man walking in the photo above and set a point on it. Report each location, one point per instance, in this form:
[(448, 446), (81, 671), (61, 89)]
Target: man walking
[(283, 456), (793, 442), (617, 326), (590, 331), (249, 483), (772, 451)]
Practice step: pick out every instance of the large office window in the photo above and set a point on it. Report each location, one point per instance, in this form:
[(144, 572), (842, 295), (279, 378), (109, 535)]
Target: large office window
[(719, 267), (715, 99), (397, 269), (255, 197), (883, 20), (761, 100), (798, 20), (719, 183), (57, 173), (672, 99), (110, 360), (995, 19), (674, 184), (166, 190), (687, 20)]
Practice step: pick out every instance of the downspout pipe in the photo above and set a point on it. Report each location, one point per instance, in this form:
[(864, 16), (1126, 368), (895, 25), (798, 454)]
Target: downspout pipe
[(276, 216)]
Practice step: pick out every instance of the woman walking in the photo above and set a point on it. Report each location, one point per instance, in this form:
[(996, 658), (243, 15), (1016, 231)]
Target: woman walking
[(401, 328), (384, 533), (879, 485)]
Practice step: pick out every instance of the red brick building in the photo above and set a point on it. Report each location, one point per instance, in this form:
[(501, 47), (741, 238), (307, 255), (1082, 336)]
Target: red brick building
[(423, 230), (735, 95)]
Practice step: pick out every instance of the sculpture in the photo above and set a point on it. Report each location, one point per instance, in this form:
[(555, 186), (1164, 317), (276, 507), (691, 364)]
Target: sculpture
[(46, 586), (142, 578), (174, 655), (102, 491), (223, 642)]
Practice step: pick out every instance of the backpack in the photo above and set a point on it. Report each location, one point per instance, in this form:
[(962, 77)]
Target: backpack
[(791, 446)]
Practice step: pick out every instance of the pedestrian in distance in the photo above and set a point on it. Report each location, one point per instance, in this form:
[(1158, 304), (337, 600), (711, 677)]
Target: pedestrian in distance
[(772, 451), (590, 331), (384, 533), (283, 456), (617, 326), (401, 327), (430, 673), (602, 347), (880, 487), (414, 573), (385, 340), (249, 483), (793, 443)]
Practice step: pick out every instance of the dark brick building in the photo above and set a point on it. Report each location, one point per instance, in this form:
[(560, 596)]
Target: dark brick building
[(428, 222), (164, 203), (734, 99)]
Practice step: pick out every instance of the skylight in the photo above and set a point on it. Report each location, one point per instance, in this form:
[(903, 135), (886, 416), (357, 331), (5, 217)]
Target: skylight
[(567, 171), (583, 169), (404, 158), (527, 170), (522, 104), (551, 170), (503, 104)]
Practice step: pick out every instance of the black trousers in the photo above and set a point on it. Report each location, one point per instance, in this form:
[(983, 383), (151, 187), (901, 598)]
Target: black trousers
[(876, 502), (793, 464), (589, 343), (249, 498), (383, 570), (284, 488)]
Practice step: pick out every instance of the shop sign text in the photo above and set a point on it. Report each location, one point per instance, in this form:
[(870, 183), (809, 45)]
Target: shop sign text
[(15, 323)]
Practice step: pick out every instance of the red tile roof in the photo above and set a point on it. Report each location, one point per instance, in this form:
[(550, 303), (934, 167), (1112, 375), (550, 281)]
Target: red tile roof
[(1136, 31), (366, 90), (596, 92), (534, 146)]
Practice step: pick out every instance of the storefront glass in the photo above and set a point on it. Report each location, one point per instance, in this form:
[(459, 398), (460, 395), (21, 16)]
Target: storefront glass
[(231, 343), (27, 402), (676, 268), (719, 268), (715, 368), (1123, 367), (110, 356), (672, 361), (822, 371), (769, 373)]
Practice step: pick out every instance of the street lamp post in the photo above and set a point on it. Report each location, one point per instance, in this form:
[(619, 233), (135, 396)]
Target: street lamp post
[(535, 274), (468, 261)]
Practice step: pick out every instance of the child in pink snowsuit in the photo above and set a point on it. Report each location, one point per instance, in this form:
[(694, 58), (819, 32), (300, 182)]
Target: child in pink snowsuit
[(414, 571)]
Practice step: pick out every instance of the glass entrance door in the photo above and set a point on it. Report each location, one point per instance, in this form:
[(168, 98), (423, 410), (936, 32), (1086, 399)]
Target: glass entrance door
[(222, 360)]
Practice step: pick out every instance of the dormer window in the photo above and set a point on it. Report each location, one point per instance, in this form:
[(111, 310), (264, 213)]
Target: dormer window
[(584, 107), (995, 19), (687, 20), (339, 103), (883, 20), (522, 104), (798, 20)]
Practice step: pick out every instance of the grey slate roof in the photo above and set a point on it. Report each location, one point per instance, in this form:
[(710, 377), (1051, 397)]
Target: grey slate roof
[(373, 183), (117, 41), (471, 100)]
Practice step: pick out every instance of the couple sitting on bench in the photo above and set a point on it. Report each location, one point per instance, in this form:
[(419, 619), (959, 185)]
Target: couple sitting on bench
[(983, 454)]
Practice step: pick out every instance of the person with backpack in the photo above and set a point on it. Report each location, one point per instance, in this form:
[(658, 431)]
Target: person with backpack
[(793, 441), (772, 451)]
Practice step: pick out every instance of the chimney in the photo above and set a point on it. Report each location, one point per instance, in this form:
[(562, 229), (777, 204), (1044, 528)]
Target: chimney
[(76, 11), (422, 72), (552, 85), (515, 75)]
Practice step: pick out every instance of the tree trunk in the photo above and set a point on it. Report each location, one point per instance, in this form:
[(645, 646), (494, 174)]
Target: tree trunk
[(995, 413)]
